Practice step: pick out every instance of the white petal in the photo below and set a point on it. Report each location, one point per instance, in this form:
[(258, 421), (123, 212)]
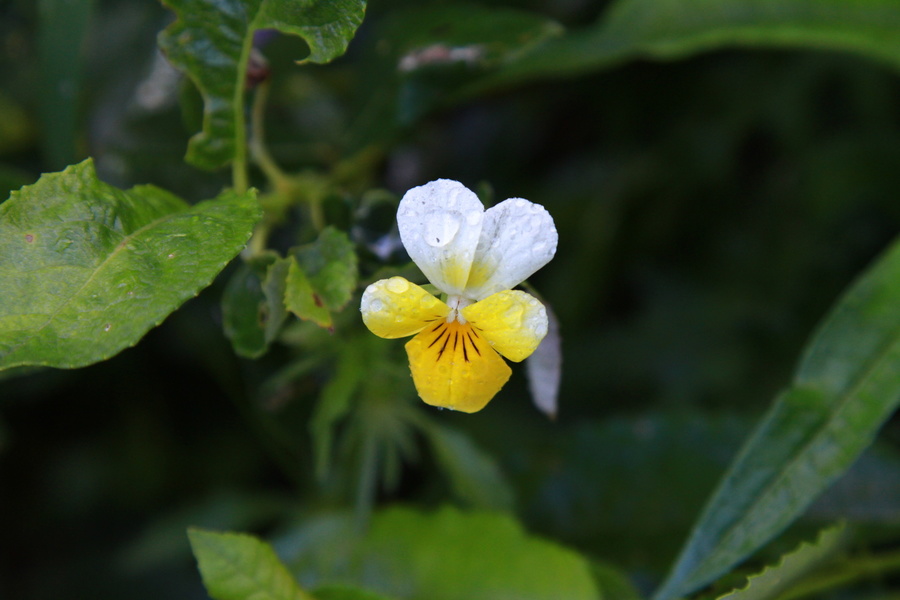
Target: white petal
[(518, 237), (440, 225)]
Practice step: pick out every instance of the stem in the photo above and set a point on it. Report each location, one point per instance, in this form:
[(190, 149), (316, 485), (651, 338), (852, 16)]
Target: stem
[(239, 176), (258, 142)]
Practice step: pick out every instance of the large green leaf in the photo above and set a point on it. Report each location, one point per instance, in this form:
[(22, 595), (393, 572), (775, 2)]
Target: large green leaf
[(669, 29), (235, 566), (847, 385), (87, 269), (444, 555), (212, 39)]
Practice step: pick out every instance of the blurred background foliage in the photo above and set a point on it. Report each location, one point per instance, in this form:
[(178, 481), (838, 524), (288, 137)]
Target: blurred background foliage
[(710, 211)]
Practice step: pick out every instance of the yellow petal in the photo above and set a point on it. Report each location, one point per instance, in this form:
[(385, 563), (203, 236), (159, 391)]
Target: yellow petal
[(393, 308), (513, 322), (454, 367)]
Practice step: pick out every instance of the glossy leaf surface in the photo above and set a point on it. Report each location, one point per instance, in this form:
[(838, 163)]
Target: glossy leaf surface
[(87, 269)]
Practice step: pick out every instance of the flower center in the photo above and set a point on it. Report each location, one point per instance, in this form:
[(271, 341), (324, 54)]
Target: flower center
[(456, 304)]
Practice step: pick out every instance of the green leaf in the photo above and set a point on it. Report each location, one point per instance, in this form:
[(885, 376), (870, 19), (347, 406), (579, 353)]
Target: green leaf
[(445, 555), (331, 265), (345, 592), (253, 308), (773, 581), (670, 29), (240, 567), (211, 42), (847, 385), (322, 277), (302, 299), (423, 53), (87, 269), (475, 476), (335, 403)]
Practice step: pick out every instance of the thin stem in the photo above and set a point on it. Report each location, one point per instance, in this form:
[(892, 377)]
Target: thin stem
[(239, 176), (258, 148)]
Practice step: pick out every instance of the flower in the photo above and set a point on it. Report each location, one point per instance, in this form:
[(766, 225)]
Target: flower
[(474, 257)]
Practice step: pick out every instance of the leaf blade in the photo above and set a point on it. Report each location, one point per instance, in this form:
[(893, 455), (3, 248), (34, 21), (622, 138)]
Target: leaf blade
[(87, 269), (211, 41), (847, 385), (236, 566)]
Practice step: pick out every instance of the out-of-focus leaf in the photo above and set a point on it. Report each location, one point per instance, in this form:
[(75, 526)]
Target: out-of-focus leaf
[(253, 308), (322, 277), (847, 385), (425, 53), (236, 566), (63, 26), (474, 475), (87, 269), (775, 580), (334, 403), (445, 555), (345, 592), (869, 493), (613, 583), (673, 29), (663, 466), (544, 369), (211, 42)]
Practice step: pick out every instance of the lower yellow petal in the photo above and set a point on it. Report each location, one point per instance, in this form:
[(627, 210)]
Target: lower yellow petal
[(513, 322), (454, 367), (393, 308)]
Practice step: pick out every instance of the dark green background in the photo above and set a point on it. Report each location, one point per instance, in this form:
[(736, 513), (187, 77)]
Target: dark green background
[(710, 211)]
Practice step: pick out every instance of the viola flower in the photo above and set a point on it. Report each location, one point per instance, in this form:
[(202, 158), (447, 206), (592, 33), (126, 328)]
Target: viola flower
[(475, 258)]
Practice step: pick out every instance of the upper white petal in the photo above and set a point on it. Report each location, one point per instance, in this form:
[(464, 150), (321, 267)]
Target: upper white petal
[(440, 225), (517, 238)]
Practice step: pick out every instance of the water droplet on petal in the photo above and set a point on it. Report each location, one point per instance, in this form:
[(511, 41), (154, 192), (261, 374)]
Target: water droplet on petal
[(514, 314), (538, 248), (375, 306), (522, 203), (474, 217), (397, 285), (440, 229)]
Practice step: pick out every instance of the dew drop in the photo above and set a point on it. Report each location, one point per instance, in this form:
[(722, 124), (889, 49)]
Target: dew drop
[(107, 327), (375, 305), (538, 248), (474, 217), (397, 285), (440, 229), (514, 314), (522, 203)]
